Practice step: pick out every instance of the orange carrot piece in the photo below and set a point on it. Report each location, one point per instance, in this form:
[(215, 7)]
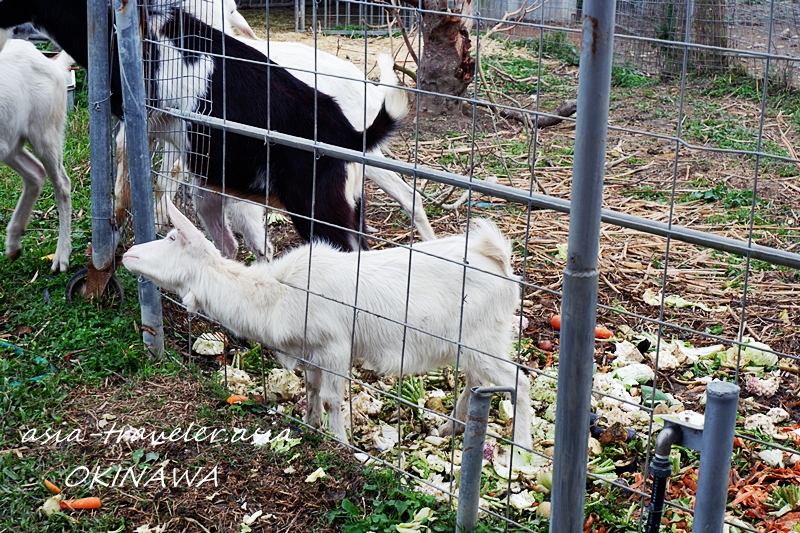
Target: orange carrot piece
[(599, 332), (91, 502), (602, 333), (236, 398), (52, 487)]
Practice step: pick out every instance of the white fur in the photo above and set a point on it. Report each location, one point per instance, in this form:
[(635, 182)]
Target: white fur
[(5, 34), (267, 302), (181, 85), (223, 15), (33, 100)]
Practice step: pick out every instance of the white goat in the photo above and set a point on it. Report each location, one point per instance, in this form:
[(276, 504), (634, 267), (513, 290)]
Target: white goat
[(33, 100), (268, 302)]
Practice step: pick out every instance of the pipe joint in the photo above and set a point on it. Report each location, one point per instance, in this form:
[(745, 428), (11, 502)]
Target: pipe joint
[(666, 438)]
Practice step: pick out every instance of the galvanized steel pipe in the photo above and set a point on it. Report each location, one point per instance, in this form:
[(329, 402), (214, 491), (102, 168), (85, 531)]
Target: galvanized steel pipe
[(133, 97), (722, 400), (103, 244), (469, 487), (579, 306)]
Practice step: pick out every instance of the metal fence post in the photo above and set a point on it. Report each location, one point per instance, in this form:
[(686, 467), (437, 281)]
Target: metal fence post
[(579, 305), (103, 244), (131, 74), (469, 485), (714, 472), (299, 16)]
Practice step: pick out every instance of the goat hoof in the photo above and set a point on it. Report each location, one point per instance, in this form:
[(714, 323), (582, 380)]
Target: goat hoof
[(59, 268), (13, 256)]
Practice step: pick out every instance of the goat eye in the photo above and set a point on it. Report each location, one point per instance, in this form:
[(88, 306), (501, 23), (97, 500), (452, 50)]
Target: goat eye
[(171, 237)]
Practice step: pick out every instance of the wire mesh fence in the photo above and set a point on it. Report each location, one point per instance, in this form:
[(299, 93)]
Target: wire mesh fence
[(697, 260)]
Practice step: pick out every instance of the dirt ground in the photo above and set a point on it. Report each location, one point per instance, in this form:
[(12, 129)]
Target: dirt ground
[(245, 479)]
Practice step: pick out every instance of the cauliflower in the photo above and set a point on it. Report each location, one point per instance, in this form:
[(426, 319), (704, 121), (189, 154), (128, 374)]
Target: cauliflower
[(763, 387)]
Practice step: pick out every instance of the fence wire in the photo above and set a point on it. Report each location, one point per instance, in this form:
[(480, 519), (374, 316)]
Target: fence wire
[(698, 249)]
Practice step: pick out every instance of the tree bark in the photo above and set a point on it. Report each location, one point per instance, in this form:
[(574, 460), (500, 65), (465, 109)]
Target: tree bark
[(446, 66)]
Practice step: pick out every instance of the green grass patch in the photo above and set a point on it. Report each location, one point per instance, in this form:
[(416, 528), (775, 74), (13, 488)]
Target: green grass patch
[(628, 78), (557, 45), (725, 133), (730, 198), (647, 192), (512, 74)]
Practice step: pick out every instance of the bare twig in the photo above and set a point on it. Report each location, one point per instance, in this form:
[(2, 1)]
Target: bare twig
[(409, 46), (517, 15), (410, 73)]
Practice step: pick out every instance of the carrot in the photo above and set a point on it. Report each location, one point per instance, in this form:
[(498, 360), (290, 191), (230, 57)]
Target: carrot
[(602, 333), (91, 502), (599, 332), (236, 398), (52, 487)]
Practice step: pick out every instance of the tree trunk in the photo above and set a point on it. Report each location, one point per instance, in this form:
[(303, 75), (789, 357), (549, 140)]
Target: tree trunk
[(711, 28), (446, 66)]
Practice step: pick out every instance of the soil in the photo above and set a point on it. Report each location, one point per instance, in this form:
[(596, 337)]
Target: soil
[(247, 479)]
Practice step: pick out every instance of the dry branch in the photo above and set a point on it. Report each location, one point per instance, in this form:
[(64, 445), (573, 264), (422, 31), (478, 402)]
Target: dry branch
[(409, 46), (517, 15), (566, 109)]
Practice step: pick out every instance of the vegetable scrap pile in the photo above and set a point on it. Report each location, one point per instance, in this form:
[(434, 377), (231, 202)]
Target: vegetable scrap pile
[(621, 422)]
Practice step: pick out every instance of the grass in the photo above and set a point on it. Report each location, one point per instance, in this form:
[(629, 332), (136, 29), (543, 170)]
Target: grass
[(554, 45), (724, 132), (730, 198), (67, 349), (387, 507), (627, 77), (737, 83)]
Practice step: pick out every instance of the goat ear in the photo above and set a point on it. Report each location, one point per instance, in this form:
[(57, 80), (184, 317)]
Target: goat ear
[(238, 21), (178, 219)]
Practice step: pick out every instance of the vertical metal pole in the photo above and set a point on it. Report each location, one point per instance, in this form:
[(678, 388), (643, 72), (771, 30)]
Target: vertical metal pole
[(580, 275), (131, 73), (299, 16), (722, 399), (469, 485), (100, 134)]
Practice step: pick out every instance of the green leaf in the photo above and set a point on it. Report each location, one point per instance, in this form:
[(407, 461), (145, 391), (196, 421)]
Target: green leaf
[(647, 394), (137, 456), (11, 474), (350, 507)]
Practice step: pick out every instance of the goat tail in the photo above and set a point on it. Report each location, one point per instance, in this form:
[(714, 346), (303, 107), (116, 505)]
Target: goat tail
[(386, 67), (4, 35), (486, 239), (394, 108)]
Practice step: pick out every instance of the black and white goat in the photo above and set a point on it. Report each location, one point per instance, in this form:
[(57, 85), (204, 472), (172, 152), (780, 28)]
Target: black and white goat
[(186, 58), (331, 75), (33, 109), (454, 312)]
